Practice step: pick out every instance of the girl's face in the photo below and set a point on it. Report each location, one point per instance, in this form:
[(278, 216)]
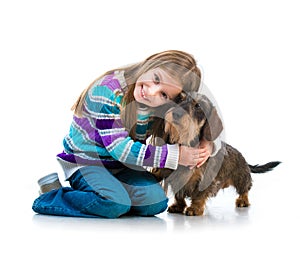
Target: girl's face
[(155, 88)]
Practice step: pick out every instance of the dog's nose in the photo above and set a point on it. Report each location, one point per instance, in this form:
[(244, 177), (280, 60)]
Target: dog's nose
[(177, 114)]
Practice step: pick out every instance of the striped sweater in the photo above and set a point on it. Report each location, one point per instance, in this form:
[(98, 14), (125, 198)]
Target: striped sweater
[(100, 138)]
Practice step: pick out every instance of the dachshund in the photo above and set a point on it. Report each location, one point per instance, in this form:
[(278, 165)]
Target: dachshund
[(193, 119)]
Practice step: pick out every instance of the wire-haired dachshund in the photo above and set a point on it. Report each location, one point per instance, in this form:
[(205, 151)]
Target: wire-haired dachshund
[(196, 118)]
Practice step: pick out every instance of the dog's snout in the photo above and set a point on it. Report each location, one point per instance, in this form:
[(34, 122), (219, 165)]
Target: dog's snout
[(177, 114)]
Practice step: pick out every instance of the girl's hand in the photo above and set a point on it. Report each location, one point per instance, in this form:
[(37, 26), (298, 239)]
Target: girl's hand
[(206, 149), (189, 156)]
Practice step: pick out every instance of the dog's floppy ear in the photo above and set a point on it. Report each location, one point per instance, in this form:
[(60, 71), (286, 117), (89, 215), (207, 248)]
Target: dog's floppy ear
[(213, 126)]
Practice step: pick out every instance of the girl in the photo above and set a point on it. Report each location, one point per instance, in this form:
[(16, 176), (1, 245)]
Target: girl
[(105, 154)]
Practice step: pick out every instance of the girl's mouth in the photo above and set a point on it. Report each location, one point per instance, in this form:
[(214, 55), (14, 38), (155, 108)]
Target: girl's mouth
[(143, 94)]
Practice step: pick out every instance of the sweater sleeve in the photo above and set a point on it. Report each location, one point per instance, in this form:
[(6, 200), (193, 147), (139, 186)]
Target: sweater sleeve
[(102, 105)]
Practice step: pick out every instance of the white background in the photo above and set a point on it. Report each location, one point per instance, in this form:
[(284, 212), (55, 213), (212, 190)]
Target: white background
[(249, 53)]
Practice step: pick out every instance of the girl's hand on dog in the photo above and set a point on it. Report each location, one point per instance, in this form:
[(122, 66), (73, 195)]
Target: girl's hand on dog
[(206, 149), (189, 156), (195, 157)]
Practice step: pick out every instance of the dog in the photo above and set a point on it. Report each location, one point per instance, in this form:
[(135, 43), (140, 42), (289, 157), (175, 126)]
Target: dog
[(187, 124)]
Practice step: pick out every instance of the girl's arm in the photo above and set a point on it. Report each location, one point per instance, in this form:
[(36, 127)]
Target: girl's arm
[(103, 107)]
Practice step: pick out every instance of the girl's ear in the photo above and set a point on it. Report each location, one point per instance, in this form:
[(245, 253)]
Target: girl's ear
[(213, 126)]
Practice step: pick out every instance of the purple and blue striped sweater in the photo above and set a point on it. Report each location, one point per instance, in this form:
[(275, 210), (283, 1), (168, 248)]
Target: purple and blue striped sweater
[(99, 136)]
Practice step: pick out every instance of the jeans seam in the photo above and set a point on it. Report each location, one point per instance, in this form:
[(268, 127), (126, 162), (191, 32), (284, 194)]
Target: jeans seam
[(93, 203)]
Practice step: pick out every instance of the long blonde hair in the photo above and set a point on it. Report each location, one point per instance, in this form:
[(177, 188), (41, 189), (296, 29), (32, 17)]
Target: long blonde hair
[(178, 64)]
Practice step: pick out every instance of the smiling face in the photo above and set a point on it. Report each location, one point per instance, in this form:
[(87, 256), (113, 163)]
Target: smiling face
[(155, 88)]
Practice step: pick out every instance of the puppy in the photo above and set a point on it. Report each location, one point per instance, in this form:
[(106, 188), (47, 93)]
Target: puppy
[(190, 121)]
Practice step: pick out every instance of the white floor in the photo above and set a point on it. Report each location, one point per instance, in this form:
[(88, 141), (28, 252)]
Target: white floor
[(265, 233), (249, 52)]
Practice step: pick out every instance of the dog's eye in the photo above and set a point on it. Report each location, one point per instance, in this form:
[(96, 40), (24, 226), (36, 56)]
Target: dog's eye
[(197, 106)]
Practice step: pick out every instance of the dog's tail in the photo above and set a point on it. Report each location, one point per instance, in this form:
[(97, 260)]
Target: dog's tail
[(258, 169)]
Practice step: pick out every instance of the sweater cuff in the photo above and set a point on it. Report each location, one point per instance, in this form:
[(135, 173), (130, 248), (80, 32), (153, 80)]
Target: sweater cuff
[(172, 157)]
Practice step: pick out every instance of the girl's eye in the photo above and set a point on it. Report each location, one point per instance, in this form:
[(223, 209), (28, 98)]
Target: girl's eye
[(156, 79), (164, 95)]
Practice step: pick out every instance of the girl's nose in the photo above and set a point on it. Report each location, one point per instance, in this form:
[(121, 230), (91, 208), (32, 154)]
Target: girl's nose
[(153, 90)]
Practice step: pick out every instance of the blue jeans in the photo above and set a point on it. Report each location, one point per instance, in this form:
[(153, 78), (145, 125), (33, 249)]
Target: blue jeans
[(95, 192)]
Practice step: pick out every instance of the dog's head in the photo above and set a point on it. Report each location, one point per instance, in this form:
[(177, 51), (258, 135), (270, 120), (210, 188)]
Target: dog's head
[(193, 119)]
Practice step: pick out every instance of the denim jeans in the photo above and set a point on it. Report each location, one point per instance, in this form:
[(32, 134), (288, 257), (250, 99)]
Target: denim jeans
[(95, 192)]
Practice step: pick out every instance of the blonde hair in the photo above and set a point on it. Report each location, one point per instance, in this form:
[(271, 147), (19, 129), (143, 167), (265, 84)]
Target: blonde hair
[(178, 64)]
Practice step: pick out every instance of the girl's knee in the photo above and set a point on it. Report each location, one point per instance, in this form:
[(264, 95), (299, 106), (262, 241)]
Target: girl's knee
[(147, 195), (149, 200), (150, 210)]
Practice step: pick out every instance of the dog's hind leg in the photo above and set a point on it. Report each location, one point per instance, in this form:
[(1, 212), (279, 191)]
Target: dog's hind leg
[(242, 186), (242, 200)]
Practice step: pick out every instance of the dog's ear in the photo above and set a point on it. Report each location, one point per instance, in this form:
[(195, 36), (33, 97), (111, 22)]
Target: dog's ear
[(213, 126), (180, 97)]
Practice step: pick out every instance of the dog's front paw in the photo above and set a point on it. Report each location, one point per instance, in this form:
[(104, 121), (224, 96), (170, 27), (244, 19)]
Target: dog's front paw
[(193, 211), (175, 208)]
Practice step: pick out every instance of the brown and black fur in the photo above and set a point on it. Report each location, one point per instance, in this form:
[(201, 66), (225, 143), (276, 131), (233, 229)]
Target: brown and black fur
[(186, 124)]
